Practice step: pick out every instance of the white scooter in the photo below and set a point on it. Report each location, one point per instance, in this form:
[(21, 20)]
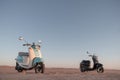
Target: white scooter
[(31, 59)]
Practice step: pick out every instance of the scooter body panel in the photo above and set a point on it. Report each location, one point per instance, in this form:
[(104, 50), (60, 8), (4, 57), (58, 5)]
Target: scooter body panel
[(37, 60)]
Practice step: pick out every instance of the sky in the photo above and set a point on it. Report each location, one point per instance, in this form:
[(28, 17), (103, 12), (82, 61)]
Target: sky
[(67, 29)]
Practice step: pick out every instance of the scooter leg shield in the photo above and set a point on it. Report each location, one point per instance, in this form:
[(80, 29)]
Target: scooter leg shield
[(37, 60)]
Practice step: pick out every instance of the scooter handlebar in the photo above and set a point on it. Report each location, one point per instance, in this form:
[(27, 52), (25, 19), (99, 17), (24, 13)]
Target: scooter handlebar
[(90, 55), (27, 44)]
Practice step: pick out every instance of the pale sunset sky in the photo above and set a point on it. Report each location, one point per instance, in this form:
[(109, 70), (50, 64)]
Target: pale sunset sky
[(67, 29)]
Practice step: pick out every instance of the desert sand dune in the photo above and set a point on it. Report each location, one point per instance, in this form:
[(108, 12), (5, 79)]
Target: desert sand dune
[(9, 73)]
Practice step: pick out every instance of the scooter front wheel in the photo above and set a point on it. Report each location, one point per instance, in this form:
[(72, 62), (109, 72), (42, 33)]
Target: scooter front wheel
[(37, 68), (19, 70), (40, 67), (100, 69)]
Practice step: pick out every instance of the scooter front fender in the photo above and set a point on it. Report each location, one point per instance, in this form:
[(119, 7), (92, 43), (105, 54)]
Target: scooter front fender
[(37, 60), (99, 65)]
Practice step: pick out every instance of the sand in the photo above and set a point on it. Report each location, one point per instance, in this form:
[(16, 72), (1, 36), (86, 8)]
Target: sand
[(9, 73)]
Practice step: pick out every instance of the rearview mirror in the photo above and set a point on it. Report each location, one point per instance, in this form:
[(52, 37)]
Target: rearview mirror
[(39, 41), (21, 38)]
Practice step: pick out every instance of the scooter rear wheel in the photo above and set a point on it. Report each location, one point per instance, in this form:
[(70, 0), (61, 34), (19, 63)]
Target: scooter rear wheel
[(18, 68), (82, 69)]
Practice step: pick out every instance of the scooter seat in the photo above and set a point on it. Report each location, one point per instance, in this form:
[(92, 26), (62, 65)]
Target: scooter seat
[(23, 54)]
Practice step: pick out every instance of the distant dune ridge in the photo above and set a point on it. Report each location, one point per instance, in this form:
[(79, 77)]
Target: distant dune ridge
[(9, 73)]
